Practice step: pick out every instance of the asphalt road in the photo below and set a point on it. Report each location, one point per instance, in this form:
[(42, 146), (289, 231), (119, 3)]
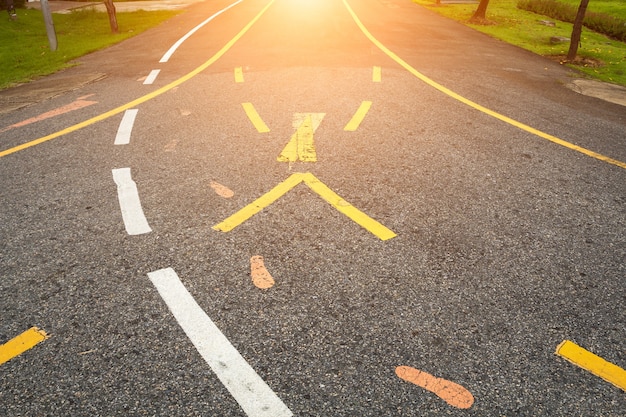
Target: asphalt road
[(458, 241)]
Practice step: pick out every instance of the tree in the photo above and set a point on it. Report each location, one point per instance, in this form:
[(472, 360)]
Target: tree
[(577, 30), (112, 17), (479, 15)]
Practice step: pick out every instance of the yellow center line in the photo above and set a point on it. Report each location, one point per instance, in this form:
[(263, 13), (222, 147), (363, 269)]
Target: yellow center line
[(254, 117), (592, 363), (145, 98), (358, 117), (21, 343), (238, 75), (477, 106), (377, 74)]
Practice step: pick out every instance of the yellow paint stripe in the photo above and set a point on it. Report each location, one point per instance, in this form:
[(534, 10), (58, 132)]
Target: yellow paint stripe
[(259, 204), (254, 117), (21, 344), (592, 363), (358, 117), (477, 106), (238, 75), (348, 209), (322, 190), (377, 75), (145, 98)]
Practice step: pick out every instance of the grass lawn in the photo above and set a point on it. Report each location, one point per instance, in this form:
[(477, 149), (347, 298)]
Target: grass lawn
[(25, 52), (605, 59)]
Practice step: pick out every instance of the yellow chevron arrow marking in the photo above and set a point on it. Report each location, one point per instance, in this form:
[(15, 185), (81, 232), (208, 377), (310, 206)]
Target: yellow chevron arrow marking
[(21, 343), (301, 146), (592, 363), (362, 219)]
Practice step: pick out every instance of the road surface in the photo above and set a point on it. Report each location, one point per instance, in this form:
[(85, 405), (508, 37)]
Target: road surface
[(313, 208)]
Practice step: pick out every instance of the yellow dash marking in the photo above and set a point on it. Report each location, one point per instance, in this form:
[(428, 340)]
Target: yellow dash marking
[(451, 392), (21, 344), (145, 98), (222, 190), (592, 363), (261, 278), (300, 147), (259, 204), (238, 75), (477, 106), (363, 220), (358, 117), (254, 117), (377, 74)]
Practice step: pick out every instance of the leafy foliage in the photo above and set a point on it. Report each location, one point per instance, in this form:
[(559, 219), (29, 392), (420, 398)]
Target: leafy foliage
[(611, 26)]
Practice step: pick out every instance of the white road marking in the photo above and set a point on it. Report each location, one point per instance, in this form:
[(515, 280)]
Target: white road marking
[(179, 42), (152, 76), (132, 213), (126, 127), (254, 396)]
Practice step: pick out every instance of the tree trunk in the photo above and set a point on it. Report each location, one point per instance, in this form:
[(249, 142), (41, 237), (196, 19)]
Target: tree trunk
[(480, 15), (577, 30), (112, 17)]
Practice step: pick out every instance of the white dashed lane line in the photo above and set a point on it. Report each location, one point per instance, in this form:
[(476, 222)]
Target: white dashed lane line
[(130, 205), (254, 396)]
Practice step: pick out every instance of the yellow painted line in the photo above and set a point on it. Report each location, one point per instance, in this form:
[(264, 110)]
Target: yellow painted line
[(377, 75), (259, 204), (21, 343), (358, 117), (477, 106), (145, 98), (363, 220), (301, 146), (238, 75), (254, 117), (592, 363), (348, 209)]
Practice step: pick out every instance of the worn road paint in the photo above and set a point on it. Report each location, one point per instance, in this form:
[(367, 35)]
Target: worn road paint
[(222, 190), (179, 42), (358, 117), (254, 117), (145, 98), (126, 127), (152, 76), (451, 392), (134, 220), (254, 396), (362, 219), (474, 105), (592, 363), (238, 75), (21, 343), (301, 146), (261, 278), (78, 104), (377, 74)]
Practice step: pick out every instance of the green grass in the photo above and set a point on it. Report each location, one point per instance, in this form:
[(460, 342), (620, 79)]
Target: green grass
[(25, 51), (605, 58)]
